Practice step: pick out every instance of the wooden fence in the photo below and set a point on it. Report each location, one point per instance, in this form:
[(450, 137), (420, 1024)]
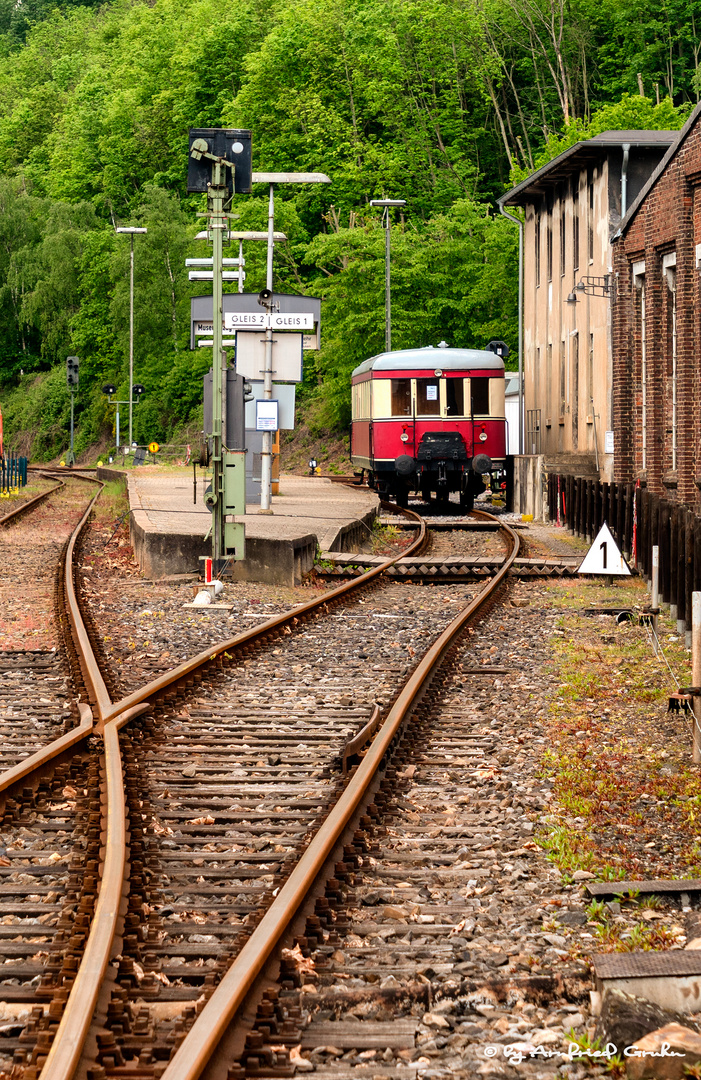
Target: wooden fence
[(638, 520)]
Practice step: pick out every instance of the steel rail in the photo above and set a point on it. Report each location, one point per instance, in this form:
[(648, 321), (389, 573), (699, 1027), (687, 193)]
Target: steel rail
[(77, 1016), (12, 776), (13, 515), (67, 1047), (276, 622), (68, 1044), (95, 684), (197, 1048), (42, 757)]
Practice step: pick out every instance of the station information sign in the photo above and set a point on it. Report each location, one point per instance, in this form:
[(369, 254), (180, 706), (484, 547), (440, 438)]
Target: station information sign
[(254, 320)]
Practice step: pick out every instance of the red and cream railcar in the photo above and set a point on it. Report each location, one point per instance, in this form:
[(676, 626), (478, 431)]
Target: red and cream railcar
[(429, 420)]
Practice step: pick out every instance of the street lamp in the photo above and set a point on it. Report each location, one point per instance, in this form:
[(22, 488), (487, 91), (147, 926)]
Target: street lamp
[(131, 232), (387, 204), (266, 298)]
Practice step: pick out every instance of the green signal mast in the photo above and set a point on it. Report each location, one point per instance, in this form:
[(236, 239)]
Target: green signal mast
[(219, 165)]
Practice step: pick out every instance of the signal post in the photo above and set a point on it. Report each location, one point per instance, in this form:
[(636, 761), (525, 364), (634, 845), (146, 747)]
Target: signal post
[(72, 377), (220, 165)]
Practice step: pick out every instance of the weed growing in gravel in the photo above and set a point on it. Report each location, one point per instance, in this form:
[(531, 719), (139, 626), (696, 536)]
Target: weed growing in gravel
[(324, 566), (596, 912), (625, 800), (568, 848), (383, 537), (617, 936)]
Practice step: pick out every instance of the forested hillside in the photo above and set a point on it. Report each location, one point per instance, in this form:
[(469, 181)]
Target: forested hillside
[(440, 102)]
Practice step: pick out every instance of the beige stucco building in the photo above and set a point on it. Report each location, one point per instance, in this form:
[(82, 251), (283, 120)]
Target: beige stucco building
[(572, 207)]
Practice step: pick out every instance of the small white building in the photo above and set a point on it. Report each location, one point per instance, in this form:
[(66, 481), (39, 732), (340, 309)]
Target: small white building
[(511, 411)]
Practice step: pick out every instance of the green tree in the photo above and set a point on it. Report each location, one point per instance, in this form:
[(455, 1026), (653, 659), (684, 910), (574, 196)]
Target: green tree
[(451, 280)]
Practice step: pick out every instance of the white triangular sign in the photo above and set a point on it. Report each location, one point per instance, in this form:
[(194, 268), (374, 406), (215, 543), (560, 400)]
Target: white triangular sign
[(604, 557)]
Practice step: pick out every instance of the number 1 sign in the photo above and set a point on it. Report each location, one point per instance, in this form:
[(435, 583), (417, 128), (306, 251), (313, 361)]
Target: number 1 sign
[(604, 556)]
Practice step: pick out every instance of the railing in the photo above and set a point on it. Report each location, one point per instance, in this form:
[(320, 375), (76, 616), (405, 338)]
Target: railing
[(639, 521), (13, 473)]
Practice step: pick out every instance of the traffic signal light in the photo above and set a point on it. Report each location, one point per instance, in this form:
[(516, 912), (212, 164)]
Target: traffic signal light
[(233, 144), (72, 366)]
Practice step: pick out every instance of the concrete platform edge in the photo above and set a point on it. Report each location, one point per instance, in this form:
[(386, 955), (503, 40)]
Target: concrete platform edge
[(273, 560)]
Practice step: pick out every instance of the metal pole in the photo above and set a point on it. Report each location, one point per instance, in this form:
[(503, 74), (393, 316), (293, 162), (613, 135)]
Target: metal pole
[(72, 461), (118, 427), (388, 300), (131, 336), (266, 460), (696, 671), (655, 594), (240, 266), (217, 194)]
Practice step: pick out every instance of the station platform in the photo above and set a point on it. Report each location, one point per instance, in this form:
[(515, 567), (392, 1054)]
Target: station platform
[(168, 526)]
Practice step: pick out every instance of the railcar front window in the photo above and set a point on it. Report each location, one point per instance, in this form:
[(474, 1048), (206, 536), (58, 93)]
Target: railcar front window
[(401, 397), (480, 397), (454, 397), (427, 397)]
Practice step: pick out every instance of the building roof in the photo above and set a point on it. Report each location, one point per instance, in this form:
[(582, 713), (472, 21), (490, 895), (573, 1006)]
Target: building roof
[(680, 136), (581, 154), (430, 359)]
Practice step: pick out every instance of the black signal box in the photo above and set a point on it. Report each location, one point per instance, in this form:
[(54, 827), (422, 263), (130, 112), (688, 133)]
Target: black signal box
[(230, 143)]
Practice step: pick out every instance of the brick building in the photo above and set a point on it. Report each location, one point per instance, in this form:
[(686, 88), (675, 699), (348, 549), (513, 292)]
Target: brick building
[(572, 207), (655, 328)]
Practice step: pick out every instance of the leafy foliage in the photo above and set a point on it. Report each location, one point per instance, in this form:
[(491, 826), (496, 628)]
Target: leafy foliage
[(437, 101)]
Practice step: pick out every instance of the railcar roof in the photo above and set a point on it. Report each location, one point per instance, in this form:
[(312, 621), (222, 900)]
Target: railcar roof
[(428, 357)]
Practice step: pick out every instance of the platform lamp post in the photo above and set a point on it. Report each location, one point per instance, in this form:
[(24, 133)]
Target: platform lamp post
[(387, 204), (266, 298), (131, 231)]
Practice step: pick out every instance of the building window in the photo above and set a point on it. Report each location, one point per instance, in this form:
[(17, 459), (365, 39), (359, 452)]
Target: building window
[(537, 249), (574, 359), (563, 223), (537, 378), (563, 379), (575, 227), (549, 245), (640, 282), (549, 382), (591, 218), (669, 268)]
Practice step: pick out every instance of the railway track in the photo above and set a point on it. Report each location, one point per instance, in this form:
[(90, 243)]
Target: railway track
[(184, 814)]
